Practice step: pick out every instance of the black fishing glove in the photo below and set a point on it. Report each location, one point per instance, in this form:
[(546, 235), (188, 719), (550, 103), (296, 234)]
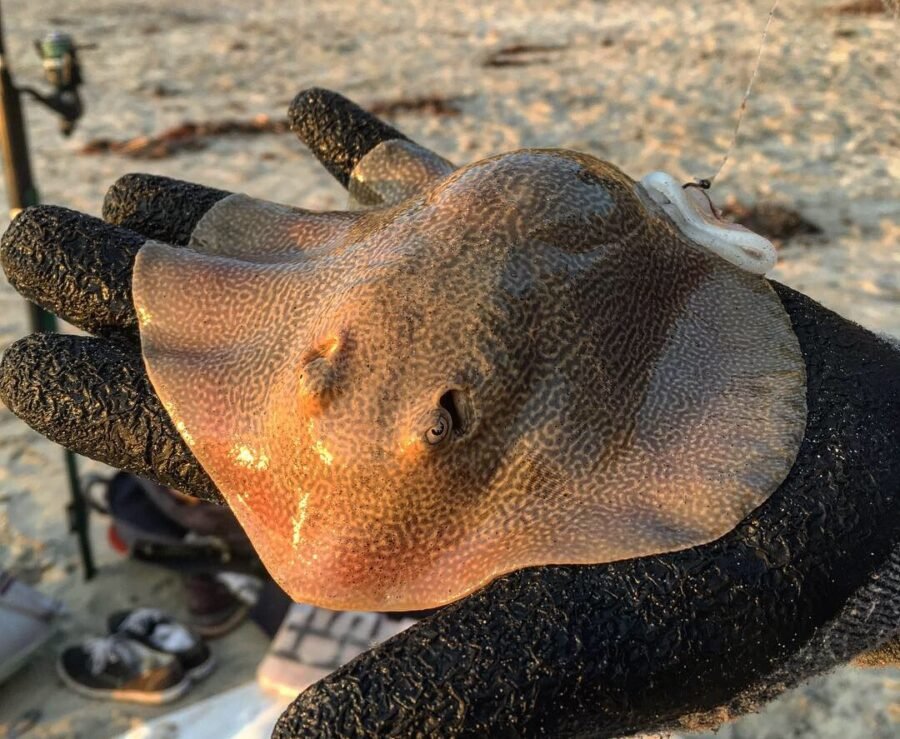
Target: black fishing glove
[(682, 640)]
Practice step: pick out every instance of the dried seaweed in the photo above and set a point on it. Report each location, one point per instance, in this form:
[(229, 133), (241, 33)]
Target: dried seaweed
[(773, 220), (428, 105), (194, 135), (521, 55), (187, 136), (864, 7)]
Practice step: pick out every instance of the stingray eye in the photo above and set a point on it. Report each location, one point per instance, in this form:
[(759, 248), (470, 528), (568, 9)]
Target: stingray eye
[(440, 428)]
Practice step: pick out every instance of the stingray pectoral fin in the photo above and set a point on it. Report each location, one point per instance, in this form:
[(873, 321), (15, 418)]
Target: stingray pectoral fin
[(216, 334), (255, 230), (393, 171)]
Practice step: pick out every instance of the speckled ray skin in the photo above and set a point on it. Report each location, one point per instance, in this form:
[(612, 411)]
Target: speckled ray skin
[(519, 362), (393, 171)]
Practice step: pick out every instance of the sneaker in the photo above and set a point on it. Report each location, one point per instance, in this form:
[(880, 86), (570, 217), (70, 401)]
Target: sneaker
[(117, 668), (214, 609), (159, 631)]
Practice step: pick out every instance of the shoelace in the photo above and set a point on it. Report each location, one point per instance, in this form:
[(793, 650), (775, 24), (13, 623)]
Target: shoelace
[(105, 650), (245, 588), (159, 628), (142, 620)]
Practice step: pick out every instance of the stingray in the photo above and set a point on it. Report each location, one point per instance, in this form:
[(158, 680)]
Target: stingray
[(533, 359)]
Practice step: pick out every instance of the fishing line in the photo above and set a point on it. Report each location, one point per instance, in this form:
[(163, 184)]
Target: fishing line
[(707, 182), (890, 6)]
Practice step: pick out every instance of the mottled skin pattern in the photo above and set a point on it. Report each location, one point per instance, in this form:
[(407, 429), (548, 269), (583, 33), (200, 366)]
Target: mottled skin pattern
[(521, 362), (393, 171)]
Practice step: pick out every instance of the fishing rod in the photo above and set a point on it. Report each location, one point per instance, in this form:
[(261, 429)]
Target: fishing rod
[(62, 71)]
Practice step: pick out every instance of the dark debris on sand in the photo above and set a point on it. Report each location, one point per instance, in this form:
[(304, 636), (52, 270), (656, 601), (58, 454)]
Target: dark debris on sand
[(860, 7), (426, 105), (521, 55), (187, 136), (194, 135), (775, 221)]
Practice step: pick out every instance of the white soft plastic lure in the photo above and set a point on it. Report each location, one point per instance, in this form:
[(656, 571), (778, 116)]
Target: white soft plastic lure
[(692, 213)]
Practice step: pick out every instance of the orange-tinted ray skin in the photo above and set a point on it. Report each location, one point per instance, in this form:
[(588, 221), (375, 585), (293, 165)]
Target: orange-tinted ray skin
[(519, 362)]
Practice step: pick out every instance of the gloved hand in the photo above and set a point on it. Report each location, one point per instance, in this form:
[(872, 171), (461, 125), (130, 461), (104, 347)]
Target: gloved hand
[(682, 640)]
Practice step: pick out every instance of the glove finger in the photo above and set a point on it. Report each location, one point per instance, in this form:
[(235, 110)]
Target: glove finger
[(337, 131), (93, 396), (73, 265), (479, 667), (157, 207)]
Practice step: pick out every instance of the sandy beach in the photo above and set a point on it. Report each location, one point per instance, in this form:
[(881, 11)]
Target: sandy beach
[(648, 86)]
